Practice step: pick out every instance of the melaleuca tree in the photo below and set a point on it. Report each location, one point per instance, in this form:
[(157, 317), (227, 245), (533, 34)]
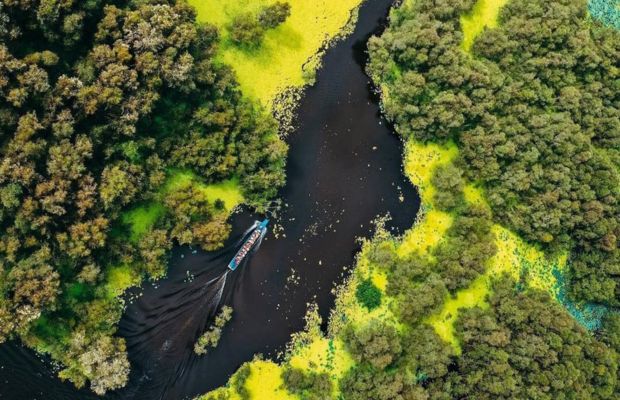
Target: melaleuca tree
[(88, 131), (540, 135)]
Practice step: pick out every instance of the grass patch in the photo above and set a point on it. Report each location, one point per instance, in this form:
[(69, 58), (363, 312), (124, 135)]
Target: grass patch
[(120, 278), (484, 15), (228, 191), (474, 195), (289, 54), (265, 382), (141, 219), (178, 179)]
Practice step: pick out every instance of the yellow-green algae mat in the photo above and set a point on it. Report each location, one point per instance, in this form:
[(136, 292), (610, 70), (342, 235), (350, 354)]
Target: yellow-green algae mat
[(289, 54)]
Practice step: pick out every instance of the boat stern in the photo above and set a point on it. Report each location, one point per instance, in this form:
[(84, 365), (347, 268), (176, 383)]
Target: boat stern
[(232, 265)]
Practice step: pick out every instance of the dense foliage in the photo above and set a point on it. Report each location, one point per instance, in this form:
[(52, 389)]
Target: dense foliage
[(527, 347), (535, 113), (307, 385), (97, 103), (524, 345)]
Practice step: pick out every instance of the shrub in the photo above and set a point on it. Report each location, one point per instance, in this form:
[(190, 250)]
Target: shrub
[(248, 29), (308, 386), (274, 15), (245, 30), (212, 336), (376, 342), (368, 294), (448, 180)]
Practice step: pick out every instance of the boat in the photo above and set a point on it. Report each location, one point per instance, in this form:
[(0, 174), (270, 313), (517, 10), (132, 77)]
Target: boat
[(260, 229)]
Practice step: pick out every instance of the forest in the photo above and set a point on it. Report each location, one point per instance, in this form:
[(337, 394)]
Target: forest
[(101, 104), (533, 109), (540, 136), (120, 120)]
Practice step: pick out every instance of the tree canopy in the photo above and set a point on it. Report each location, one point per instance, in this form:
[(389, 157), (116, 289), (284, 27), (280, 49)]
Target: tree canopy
[(98, 103), (534, 109)]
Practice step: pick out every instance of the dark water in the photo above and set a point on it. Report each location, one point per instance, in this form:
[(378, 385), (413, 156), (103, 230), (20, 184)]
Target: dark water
[(344, 170)]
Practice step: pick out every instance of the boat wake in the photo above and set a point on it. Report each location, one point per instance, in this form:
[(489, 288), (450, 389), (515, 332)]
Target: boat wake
[(162, 326)]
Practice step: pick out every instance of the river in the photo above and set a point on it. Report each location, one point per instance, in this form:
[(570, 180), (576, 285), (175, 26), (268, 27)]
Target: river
[(344, 170)]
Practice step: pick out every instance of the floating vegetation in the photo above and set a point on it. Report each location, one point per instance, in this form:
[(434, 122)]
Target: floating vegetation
[(288, 56)]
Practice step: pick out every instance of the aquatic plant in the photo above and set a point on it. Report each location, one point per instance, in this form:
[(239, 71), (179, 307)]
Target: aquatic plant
[(606, 11)]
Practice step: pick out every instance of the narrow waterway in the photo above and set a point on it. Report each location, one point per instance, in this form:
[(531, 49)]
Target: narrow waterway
[(344, 170)]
